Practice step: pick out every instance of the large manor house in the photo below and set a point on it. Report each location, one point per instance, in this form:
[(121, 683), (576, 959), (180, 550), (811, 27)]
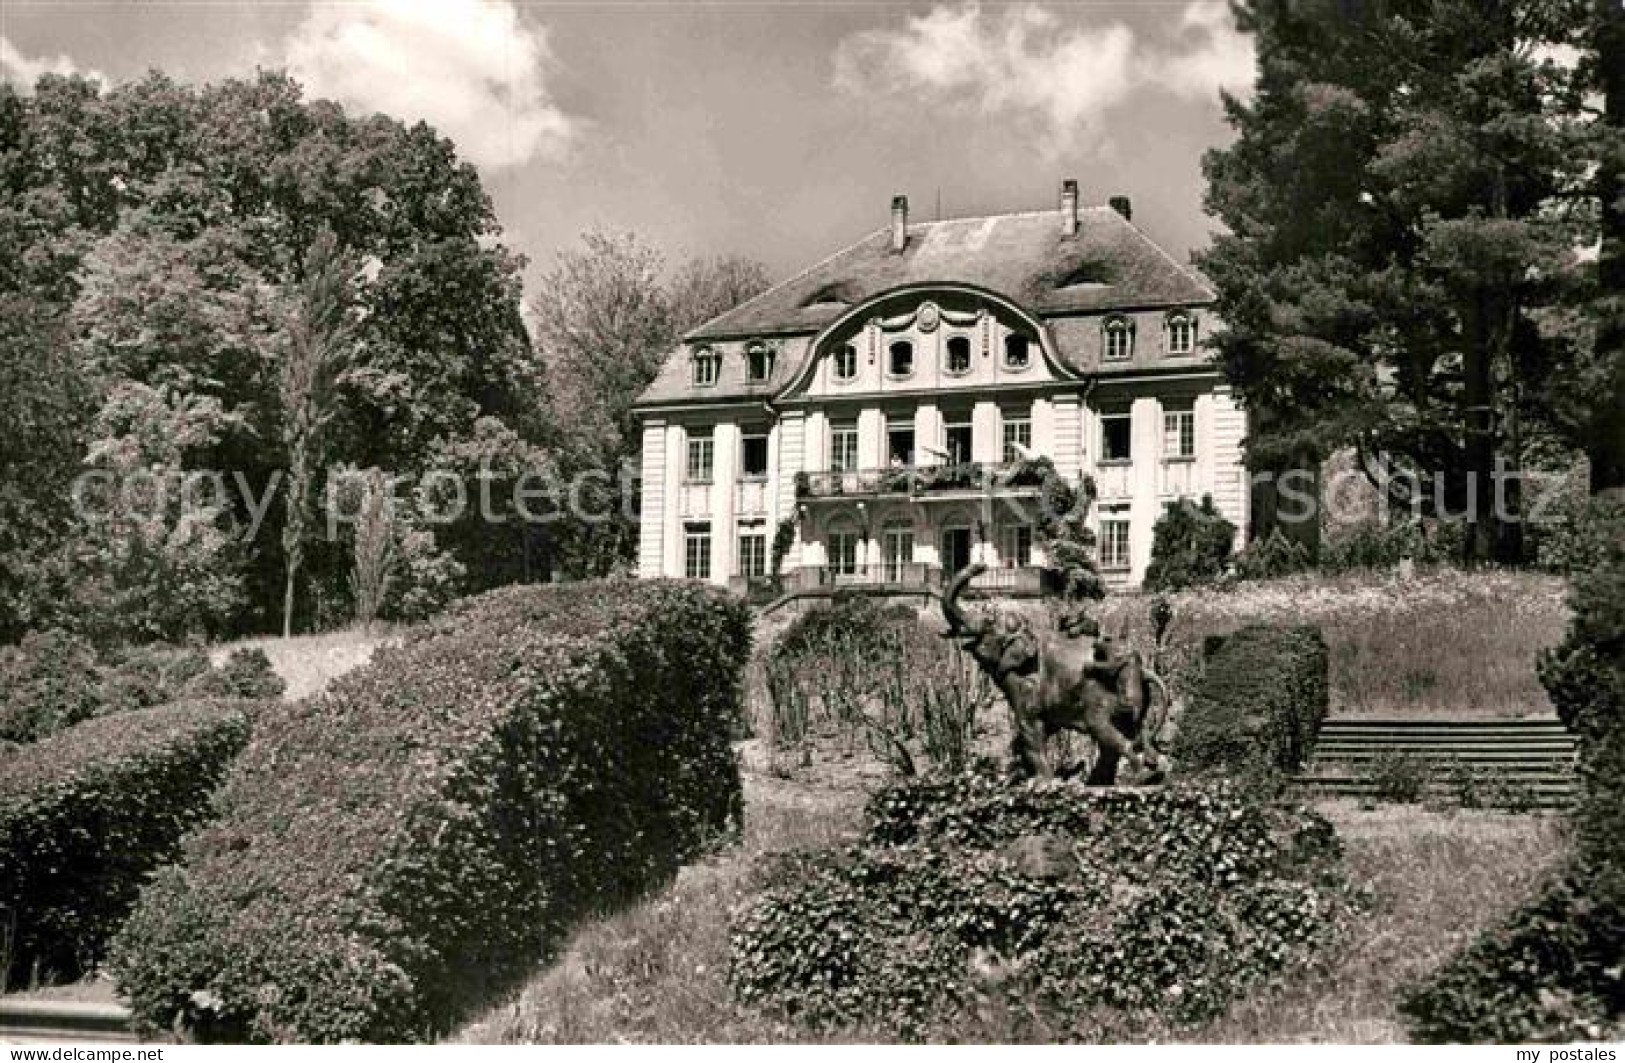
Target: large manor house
[(877, 405)]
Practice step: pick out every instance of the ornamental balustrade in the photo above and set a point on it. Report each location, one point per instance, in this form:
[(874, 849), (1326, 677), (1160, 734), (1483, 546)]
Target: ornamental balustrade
[(917, 480)]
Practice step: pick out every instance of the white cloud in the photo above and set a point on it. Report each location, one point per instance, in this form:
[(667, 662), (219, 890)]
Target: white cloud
[(1024, 61), (469, 68), (21, 71)]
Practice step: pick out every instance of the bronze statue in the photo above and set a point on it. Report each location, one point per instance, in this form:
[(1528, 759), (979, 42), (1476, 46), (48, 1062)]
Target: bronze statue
[(1064, 680)]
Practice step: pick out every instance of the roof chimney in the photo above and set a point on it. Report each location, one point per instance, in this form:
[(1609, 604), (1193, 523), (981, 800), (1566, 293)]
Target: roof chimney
[(1124, 206), (1069, 207), (899, 223)]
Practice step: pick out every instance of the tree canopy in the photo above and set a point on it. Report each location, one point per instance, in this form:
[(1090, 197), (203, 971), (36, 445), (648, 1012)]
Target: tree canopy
[(1409, 199)]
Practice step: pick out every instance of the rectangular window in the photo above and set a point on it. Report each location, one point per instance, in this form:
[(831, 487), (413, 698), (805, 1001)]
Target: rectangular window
[(1018, 432), (1114, 541), (897, 545), (843, 448), (1178, 433), (900, 443), (1016, 548), (956, 440), (700, 450), (843, 553), (1119, 340), (697, 551), (753, 457), (1181, 334), (752, 551), (1116, 432)]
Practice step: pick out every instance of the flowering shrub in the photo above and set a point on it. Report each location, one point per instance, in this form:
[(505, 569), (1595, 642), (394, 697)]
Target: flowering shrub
[(1072, 900), (392, 850), (87, 814)]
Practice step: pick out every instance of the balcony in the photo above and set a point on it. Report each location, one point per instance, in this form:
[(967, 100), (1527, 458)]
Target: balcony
[(909, 577), (913, 481)]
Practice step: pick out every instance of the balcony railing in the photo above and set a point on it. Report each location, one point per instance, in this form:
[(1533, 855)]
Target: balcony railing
[(915, 480), (909, 576)]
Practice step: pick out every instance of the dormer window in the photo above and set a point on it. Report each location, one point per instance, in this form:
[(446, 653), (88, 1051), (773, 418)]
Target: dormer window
[(707, 366), (901, 359), (1119, 339), (1181, 333), (1017, 351), (846, 362), (758, 363), (958, 354)]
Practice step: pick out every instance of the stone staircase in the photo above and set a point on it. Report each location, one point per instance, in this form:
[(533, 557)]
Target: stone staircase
[(1531, 757)]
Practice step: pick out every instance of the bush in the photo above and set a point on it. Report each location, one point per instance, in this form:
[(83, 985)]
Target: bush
[(1401, 778), (1256, 710), (55, 680), (1272, 557), (392, 850), (86, 815), (1549, 972), (1578, 540), (247, 673), (1552, 971), (47, 683), (1376, 544), (1070, 901), (139, 677), (1190, 546)]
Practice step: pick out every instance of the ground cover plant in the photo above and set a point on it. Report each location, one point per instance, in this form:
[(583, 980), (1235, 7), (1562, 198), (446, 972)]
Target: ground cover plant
[(393, 849), (88, 813), (1080, 903)]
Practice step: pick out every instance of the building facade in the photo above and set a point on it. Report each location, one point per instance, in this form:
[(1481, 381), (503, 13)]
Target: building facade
[(886, 406)]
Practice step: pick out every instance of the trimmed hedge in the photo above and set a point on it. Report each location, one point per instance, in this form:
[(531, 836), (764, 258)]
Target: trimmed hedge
[(1256, 711), (393, 850), (1554, 970), (87, 814), (1099, 913)]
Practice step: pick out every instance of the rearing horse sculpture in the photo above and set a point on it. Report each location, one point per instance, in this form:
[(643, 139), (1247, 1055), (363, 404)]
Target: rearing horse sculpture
[(1054, 682)]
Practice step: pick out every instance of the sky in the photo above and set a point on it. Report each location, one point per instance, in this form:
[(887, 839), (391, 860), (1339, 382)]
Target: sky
[(775, 131)]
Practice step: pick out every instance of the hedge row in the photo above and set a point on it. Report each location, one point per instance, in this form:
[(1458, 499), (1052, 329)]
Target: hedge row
[(87, 814), (392, 851), (1257, 709), (1554, 970)]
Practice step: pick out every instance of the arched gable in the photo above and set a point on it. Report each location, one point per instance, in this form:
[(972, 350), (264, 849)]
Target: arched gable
[(923, 307)]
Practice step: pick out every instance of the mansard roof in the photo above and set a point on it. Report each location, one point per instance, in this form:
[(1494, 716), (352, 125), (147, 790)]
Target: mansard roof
[(1026, 257)]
